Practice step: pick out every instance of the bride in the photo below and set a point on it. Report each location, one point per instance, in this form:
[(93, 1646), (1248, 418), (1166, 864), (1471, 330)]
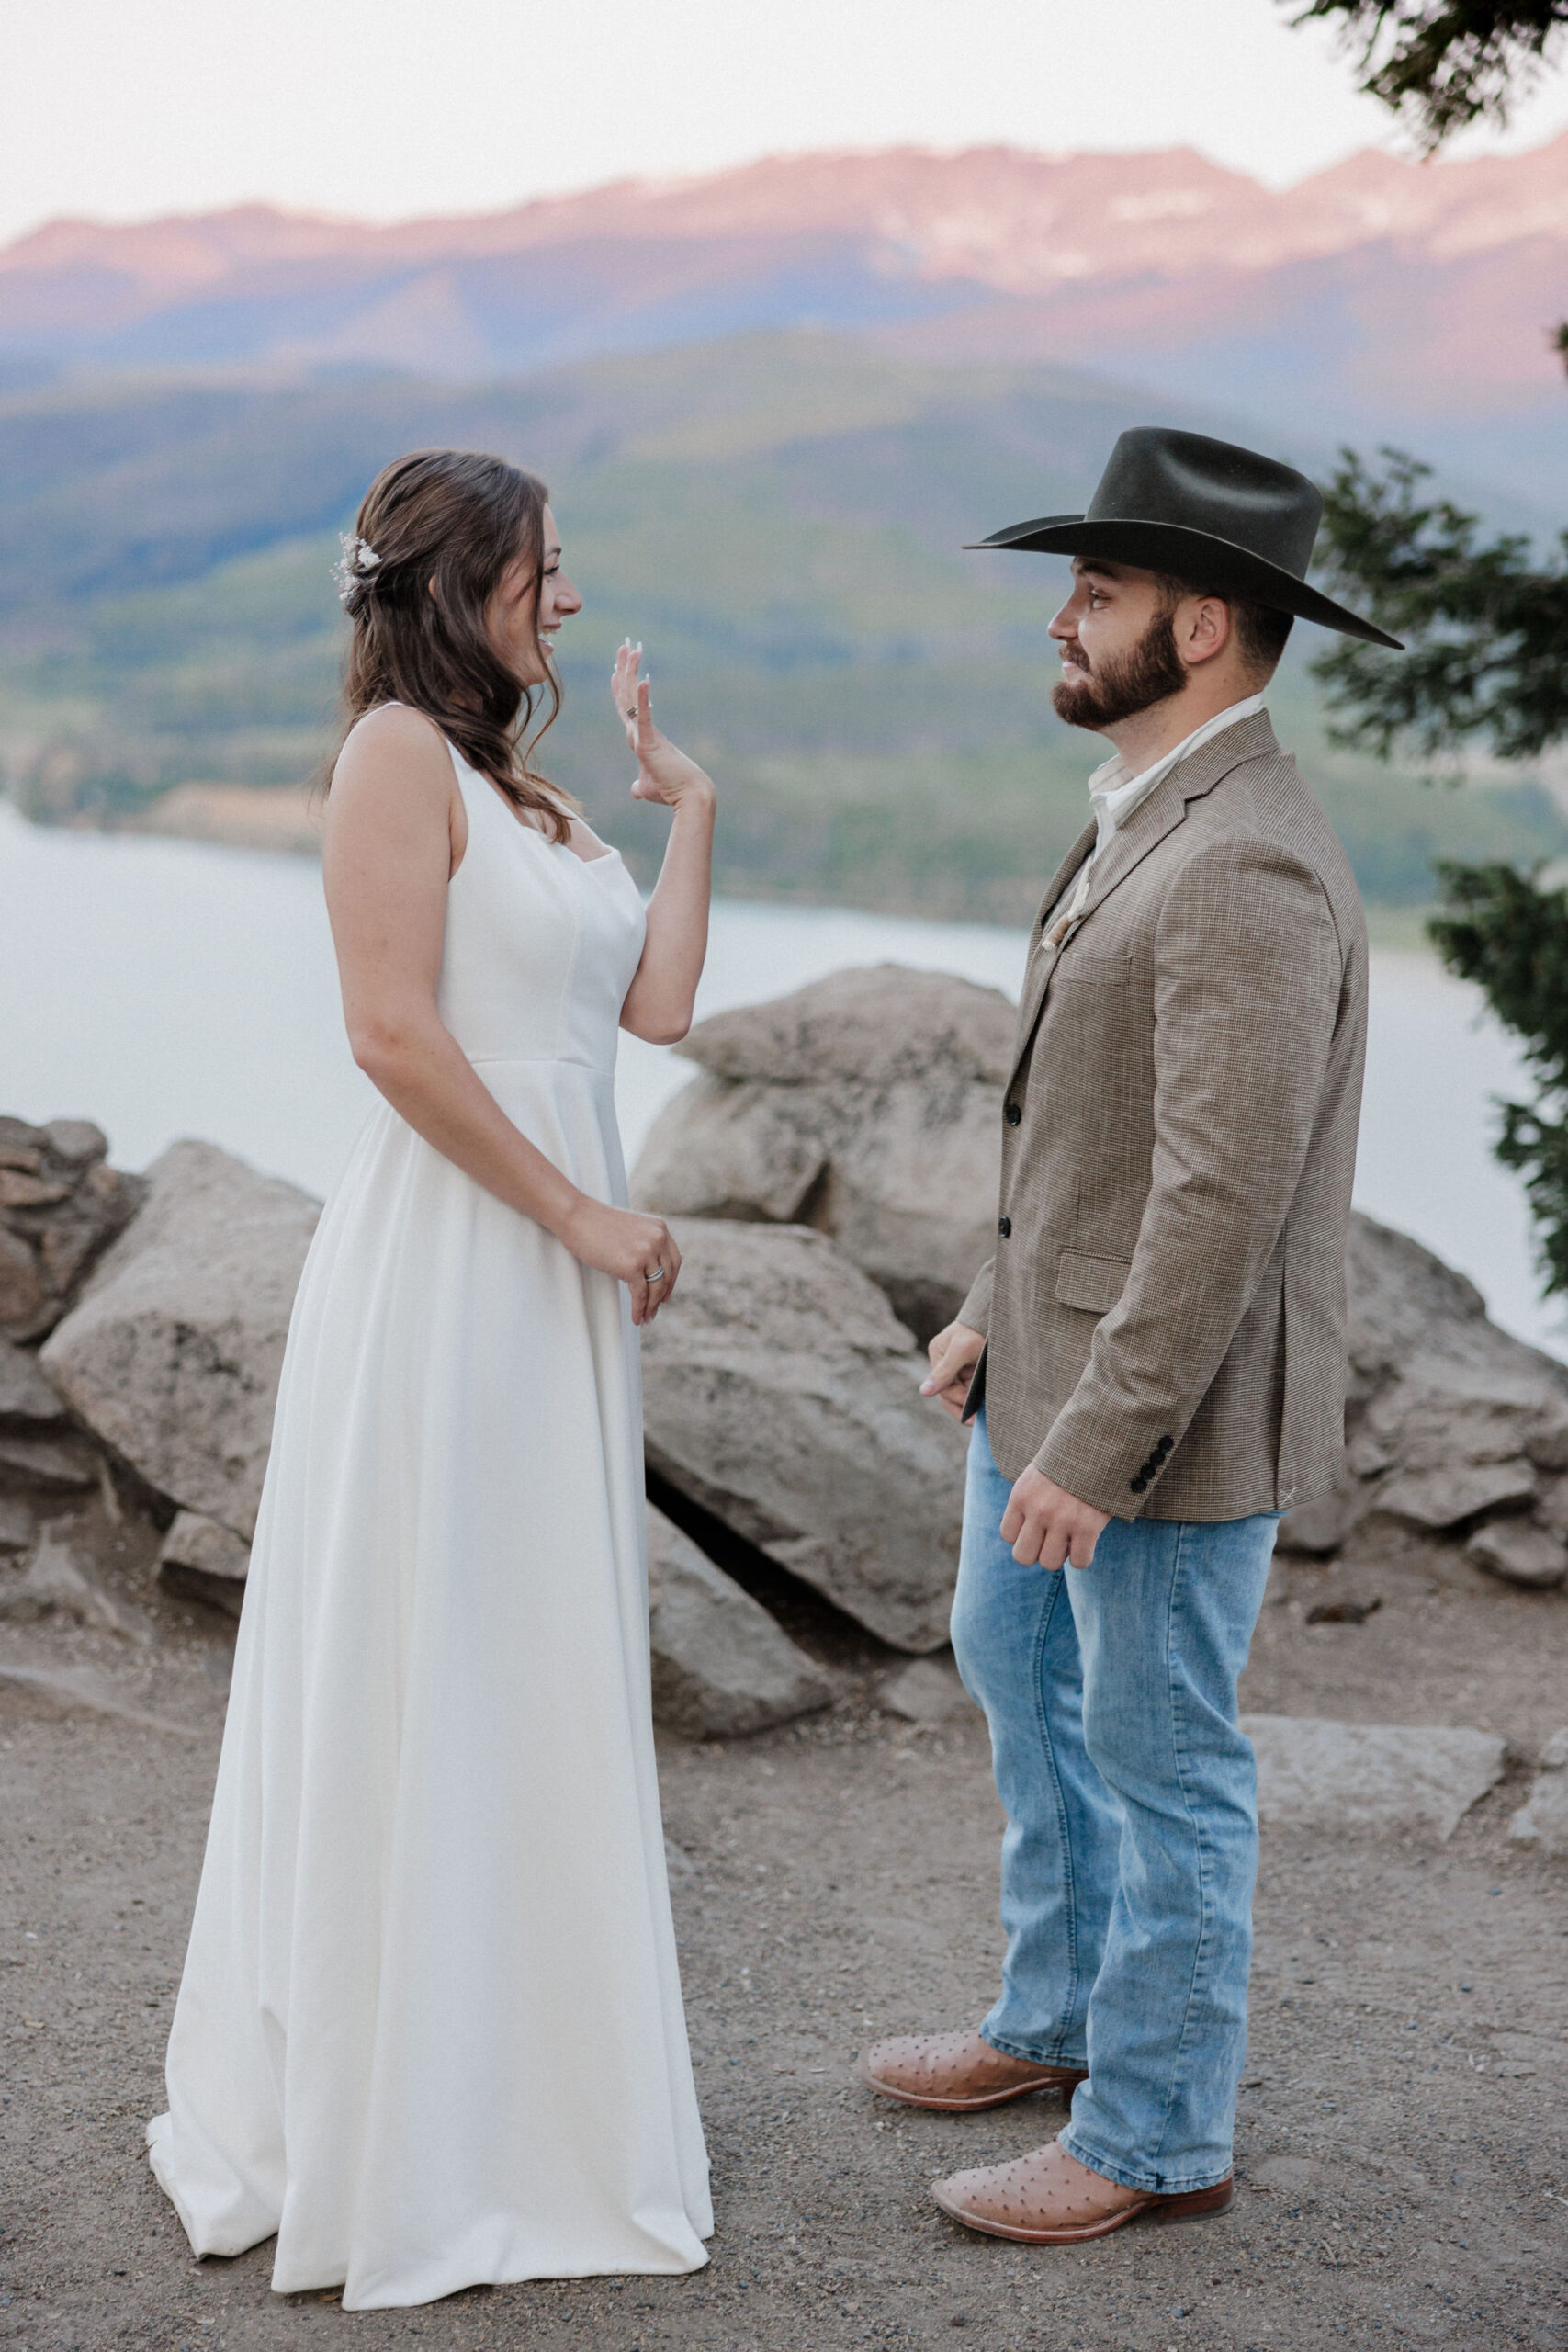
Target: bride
[(430, 2029)]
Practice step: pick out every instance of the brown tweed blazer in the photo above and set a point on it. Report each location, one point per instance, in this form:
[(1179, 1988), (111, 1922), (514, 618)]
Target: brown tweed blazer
[(1165, 1316)]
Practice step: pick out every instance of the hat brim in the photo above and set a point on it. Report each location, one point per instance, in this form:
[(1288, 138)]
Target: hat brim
[(1188, 554)]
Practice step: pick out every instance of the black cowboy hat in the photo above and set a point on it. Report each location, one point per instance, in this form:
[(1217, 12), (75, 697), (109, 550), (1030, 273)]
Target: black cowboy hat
[(1206, 512)]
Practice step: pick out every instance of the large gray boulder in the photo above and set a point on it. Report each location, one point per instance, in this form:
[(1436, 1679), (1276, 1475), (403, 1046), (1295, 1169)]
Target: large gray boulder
[(173, 1356), (926, 1691), (1313, 1774), (18, 1524), (41, 1454), (1452, 1428), (867, 1105), (1542, 1820), (202, 1561), (62, 1465), (781, 1395), (1520, 1553), (721, 1664), (27, 1400), (60, 1206)]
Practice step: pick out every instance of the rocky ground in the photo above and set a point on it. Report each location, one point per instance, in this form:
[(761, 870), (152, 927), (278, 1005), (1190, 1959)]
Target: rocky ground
[(1402, 2153)]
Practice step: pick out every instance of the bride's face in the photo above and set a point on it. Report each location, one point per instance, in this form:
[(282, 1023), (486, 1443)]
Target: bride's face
[(528, 608)]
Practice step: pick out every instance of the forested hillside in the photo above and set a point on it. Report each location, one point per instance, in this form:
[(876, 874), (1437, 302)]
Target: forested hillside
[(780, 519)]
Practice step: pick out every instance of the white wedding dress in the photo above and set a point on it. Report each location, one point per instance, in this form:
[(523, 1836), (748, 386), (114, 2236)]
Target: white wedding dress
[(430, 2029)]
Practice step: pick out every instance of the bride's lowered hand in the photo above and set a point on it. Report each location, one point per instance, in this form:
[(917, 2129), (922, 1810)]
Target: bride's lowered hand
[(659, 1002), (638, 1250)]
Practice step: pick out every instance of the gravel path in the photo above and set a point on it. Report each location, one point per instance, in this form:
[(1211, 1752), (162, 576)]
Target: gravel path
[(1403, 2153)]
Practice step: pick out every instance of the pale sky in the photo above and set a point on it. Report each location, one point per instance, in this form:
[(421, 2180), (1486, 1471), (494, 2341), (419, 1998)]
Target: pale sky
[(120, 110)]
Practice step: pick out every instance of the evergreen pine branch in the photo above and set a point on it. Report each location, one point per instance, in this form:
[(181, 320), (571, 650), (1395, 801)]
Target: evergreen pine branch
[(1442, 65), (1500, 929), (1485, 629)]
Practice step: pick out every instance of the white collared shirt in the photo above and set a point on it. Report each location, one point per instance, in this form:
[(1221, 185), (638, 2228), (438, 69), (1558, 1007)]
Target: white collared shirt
[(1113, 802)]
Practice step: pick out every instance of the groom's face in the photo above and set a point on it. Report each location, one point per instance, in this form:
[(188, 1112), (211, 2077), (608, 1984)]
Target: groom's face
[(1118, 646)]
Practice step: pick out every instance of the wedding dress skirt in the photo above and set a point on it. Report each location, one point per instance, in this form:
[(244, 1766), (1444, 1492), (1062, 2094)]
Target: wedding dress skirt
[(430, 2029)]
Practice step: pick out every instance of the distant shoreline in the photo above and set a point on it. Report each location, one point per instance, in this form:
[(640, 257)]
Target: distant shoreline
[(286, 819), (281, 817)]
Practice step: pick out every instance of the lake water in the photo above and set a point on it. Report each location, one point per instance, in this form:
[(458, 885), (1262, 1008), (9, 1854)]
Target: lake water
[(170, 988)]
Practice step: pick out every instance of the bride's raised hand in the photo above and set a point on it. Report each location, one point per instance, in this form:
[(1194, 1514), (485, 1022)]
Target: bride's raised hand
[(663, 773)]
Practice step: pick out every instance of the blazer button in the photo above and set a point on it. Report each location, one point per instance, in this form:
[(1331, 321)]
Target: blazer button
[(1139, 1485), (1165, 1444), (1013, 1114), (1004, 1226)]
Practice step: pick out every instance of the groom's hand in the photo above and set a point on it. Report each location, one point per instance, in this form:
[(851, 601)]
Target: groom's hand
[(1047, 1527), (953, 1353)]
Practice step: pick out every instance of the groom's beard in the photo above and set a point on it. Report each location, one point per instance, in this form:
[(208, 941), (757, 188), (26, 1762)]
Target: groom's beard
[(1124, 683)]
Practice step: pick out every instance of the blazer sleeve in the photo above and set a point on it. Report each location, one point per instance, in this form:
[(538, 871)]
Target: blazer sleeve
[(1248, 971), (977, 1308)]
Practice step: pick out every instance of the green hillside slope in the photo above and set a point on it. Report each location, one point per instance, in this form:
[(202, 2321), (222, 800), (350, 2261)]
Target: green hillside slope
[(779, 520)]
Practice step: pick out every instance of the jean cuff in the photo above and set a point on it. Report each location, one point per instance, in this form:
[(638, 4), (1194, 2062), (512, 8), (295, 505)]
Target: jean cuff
[(1030, 2057), (1146, 2184)]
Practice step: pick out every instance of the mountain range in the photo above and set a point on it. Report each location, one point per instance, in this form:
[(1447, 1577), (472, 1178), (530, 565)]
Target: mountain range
[(1382, 298), (773, 406), (779, 518)]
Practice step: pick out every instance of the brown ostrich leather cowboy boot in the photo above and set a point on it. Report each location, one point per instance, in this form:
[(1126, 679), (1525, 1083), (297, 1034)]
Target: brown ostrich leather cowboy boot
[(1047, 2197), (958, 2072)]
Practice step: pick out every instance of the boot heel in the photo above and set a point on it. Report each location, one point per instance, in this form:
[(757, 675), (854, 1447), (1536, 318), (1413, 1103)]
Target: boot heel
[(1196, 2202)]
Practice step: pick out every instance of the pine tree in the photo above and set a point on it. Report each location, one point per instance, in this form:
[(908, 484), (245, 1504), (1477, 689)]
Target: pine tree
[(1444, 64), (1486, 625), (1486, 661)]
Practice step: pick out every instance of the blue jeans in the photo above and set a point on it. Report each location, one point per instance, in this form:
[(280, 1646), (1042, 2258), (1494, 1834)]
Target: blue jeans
[(1130, 1846)]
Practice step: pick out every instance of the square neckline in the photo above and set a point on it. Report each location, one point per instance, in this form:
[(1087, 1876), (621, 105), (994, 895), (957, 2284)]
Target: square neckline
[(607, 850)]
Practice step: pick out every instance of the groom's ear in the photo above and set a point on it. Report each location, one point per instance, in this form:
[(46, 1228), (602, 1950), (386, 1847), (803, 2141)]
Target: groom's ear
[(1202, 628)]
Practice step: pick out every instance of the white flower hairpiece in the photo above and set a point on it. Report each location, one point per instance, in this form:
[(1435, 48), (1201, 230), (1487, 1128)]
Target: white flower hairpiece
[(357, 562)]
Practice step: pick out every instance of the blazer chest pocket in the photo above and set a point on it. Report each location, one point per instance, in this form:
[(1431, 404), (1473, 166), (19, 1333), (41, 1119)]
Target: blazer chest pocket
[(1098, 971), (1092, 1284)]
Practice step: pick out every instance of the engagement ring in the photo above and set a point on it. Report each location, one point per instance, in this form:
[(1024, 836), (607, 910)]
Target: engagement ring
[(656, 1274)]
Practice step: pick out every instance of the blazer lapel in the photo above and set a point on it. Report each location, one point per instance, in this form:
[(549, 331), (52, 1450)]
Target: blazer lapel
[(1131, 844), (1042, 959), (1165, 807), (1147, 825)]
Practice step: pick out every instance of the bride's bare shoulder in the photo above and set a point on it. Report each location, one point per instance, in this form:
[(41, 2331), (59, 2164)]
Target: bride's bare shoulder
[(393, 734), (393, 788), (391, 753)]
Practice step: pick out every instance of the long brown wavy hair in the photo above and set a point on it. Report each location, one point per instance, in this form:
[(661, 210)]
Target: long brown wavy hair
[(443, 526)]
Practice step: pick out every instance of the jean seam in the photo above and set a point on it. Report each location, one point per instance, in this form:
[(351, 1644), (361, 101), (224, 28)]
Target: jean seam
[(1055, 2055), (1064, 1831), (1203, 1955)]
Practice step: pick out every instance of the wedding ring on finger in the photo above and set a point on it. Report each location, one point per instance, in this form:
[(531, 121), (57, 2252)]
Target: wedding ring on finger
[(654, 1274)]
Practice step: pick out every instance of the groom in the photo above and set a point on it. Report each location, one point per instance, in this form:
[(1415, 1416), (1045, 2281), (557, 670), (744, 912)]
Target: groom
[(1154, 1361)]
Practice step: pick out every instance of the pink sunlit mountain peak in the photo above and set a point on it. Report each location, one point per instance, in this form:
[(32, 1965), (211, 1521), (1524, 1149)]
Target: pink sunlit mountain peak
[(1379, 290)]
